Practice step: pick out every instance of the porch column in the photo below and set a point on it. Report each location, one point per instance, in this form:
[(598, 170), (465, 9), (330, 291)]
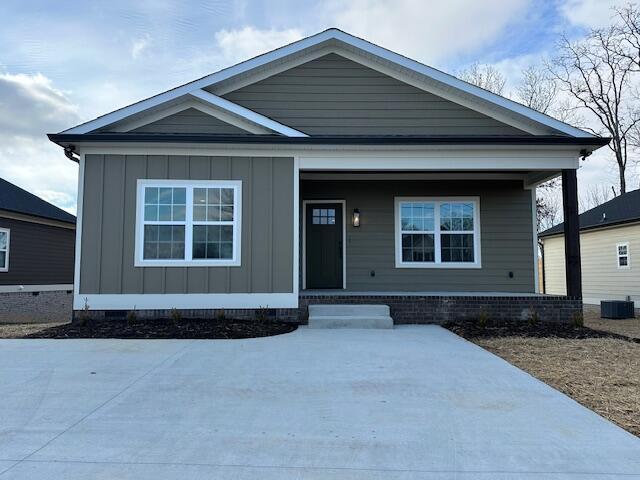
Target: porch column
[(571, 233)]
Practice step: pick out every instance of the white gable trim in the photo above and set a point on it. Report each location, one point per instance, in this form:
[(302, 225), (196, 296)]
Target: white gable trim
[(447, 82), (245, 113)]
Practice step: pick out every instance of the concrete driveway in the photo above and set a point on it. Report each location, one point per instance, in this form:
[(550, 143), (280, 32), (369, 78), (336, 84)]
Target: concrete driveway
[(413, 402)]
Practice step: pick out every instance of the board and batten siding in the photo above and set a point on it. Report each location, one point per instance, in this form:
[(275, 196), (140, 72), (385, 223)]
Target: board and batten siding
[(506, 232), (109, 218), (334, 95), (601, 277)]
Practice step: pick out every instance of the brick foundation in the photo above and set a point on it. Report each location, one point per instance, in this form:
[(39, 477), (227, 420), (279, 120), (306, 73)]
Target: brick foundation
[(35, 307), (405, 308), (422, 309)]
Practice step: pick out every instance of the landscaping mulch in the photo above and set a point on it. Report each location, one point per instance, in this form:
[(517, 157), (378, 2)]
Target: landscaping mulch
[(472, 330), (164, 329)]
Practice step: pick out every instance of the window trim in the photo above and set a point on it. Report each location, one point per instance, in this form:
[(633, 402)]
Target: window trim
[(618, 256), (477, 263), (5, 268), (235, 261)]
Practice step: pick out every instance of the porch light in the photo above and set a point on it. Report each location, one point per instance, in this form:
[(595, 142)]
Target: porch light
[(356, 217)]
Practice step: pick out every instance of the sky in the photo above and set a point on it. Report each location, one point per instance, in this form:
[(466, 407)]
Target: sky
[(62, 63)]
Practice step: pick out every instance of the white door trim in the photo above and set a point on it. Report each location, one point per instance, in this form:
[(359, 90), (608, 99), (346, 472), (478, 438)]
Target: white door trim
[(304, 239)]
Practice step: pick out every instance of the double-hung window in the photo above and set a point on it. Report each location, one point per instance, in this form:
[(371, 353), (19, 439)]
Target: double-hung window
[(443, 232), (4, 249), (188, 223), (623, 255)]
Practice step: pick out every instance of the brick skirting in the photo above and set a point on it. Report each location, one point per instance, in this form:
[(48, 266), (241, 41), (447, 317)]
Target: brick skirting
[(420, 309), (405, 308), (35, 307)]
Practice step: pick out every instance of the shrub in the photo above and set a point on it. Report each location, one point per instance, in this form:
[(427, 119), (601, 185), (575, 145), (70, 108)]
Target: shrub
[(176, 315), (262, 314), (132, 316), (578, 320), (220, 315), (534, 317), (483, 318)]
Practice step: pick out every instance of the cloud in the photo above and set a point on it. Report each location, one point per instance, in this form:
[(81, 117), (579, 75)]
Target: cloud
[(242, 44), (139, 45), (427, 31), (30, 106), (591, 13)]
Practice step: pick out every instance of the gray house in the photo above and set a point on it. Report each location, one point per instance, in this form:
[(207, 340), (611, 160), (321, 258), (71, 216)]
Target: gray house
[(330, 170), (37, 243)]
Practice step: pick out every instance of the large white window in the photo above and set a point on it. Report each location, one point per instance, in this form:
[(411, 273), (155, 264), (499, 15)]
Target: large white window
[(624, 257), (4, 249), (188, 223), (437, 232)]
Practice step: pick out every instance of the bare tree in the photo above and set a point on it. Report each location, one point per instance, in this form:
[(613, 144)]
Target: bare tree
[(484, 76), (595, 195), (594, 73), (548, 208), (537, 90)]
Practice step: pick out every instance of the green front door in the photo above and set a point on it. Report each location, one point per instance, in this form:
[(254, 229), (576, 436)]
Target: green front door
[(324, 245)]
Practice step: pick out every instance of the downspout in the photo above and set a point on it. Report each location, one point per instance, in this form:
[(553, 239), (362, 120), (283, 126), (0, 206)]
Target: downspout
[(69, 152)]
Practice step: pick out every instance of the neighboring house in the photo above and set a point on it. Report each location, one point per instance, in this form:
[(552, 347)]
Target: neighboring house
[(37, 243), (610, 246), (330, 170)]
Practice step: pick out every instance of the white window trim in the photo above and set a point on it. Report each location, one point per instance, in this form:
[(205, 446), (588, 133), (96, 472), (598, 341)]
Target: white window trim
[(438, 264), (235, 261), (5, 268), (618, 256)]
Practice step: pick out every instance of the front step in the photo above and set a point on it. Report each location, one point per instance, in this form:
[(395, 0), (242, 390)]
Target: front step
[(349, 316)]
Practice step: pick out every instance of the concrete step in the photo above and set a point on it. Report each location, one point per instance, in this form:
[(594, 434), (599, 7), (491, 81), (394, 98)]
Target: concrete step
[(341, 310), (349, 316)]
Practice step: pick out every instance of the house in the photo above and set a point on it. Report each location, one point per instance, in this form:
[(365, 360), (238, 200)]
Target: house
[(37, 243), (609, 238), (330, 170)]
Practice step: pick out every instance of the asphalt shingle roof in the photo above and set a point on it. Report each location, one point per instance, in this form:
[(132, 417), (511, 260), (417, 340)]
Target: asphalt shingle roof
[(15, 199), (622, 209)]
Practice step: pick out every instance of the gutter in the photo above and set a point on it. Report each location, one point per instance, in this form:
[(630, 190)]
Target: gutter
[(68, 140)]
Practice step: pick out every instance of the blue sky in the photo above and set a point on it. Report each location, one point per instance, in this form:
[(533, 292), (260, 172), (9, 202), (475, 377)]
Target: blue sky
[(66, 62)]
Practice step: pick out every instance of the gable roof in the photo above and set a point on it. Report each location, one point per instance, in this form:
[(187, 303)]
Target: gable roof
[(15, 199), (622, 209), (354, 48)]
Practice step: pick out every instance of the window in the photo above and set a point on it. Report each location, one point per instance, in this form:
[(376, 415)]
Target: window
[(622, 250), (4, 249), (324, 216), (188, 223), (437, 232)]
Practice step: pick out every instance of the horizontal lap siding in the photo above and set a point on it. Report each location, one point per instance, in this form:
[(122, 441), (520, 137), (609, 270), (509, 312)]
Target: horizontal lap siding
[(601, 277), (505, 224), (333, 95), (190, 121), (38, 254), (109, 214)]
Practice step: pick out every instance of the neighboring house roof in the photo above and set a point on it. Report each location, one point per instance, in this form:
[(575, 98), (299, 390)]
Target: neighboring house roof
[(622, 209), (15, 199), (205, 94)]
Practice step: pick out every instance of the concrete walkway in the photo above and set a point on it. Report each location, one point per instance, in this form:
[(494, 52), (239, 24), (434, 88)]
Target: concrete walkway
[(415, 402)]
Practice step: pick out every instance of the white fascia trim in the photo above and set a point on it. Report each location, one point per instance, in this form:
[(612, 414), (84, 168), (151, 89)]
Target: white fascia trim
[(343, 158), (245, 113), (62, 287), (314, 41), (157, 301)]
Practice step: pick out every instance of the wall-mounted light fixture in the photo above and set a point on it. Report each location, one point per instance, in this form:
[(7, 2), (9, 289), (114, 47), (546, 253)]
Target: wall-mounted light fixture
[(356, 217)]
